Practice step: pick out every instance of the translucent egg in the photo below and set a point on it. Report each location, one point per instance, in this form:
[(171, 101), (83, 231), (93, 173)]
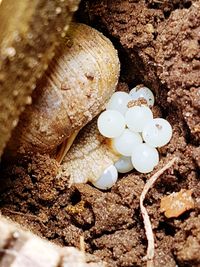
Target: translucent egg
[(137, 117), (142, 92), (124, 164), (119, 101), (125, 143), (157, 132), (107, 179), (111, 123), (144, 158)]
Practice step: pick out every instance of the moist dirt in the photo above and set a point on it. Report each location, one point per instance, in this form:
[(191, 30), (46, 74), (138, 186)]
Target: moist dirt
[(159, 46)]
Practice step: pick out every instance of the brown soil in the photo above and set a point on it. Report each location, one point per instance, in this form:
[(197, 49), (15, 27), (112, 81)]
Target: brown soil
[(158, 43)]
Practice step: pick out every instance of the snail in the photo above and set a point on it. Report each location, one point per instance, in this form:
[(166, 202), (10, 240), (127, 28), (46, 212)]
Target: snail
[(118, 141), (75, 89), (78, 82)]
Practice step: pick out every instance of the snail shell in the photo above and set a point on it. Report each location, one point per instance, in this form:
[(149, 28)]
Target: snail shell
[(79, 81), (89, 156)]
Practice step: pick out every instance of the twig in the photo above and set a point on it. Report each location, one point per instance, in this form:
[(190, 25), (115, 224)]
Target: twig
[(147, 223)]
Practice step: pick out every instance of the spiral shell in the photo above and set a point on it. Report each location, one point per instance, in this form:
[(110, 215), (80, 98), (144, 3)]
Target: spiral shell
[(79, 81)]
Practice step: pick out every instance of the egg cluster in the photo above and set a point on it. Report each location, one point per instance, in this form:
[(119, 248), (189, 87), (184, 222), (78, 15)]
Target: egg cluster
[(134, 132)]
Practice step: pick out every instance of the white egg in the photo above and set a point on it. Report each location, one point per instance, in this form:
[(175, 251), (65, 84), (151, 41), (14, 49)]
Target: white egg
[(144, 158), (142, 92), (107, 179), (137, 117), (111, 123), (119, 101), (124, 164), (125, 143), (157, 132)]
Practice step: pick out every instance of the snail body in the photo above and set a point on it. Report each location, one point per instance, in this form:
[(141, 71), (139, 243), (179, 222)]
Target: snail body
[(89, 156), (77, 84)]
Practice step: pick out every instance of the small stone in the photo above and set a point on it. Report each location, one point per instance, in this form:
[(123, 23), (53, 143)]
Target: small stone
[(10, 51), (58, 10)]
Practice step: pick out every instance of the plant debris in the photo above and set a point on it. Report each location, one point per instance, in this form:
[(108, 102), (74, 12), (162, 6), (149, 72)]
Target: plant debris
[(177, 203), (147, 223)]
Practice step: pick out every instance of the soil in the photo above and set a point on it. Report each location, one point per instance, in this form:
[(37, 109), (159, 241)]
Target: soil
[(158, 44)]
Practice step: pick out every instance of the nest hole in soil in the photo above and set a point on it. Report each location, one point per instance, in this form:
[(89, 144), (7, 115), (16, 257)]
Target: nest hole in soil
[(160, 49)]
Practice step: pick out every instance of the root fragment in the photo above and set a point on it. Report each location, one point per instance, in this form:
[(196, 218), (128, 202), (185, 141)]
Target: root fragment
[(147, 223)]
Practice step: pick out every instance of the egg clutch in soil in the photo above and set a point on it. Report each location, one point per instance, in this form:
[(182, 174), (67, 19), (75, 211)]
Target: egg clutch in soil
[(128, 121)]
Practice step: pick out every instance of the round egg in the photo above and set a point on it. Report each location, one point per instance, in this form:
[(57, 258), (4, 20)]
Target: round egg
[(137, 117), (144, 158), (142, 92), (125, 143), (119, 101), (107, 179), (111, 123), (157, 132), (124, 164)]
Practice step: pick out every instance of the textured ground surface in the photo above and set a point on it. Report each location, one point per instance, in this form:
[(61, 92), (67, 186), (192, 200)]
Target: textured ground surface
[(158, 43)]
